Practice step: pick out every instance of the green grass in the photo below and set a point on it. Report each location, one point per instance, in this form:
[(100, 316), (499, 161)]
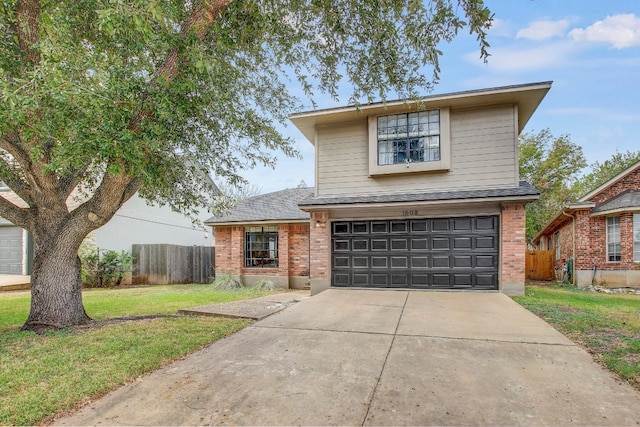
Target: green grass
[(42, 375), (607, 325), (106, 303)]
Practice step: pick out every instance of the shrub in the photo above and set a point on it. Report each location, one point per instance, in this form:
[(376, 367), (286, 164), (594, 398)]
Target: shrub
[(266, 285), (103, 268), (227, 282)]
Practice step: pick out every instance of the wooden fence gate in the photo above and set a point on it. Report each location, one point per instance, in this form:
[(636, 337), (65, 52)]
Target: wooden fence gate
[(539, 265), (167, 264)]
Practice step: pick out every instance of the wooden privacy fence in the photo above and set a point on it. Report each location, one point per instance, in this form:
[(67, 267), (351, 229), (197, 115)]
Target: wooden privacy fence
[(166, 264), (539, 265)]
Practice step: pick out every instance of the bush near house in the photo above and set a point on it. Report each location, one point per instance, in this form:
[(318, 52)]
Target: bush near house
[(606, 325)]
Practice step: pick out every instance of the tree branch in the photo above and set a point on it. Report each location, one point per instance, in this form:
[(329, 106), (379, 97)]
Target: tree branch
[(17, 215), (202, 16), (28, 26)]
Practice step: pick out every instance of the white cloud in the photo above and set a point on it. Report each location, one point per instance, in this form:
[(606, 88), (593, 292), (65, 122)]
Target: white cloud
[(500, 28), (517, 58), (621, 31), (543, 30)]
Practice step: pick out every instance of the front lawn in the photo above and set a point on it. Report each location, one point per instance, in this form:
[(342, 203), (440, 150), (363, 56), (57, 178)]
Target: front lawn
[(41, 375), (606, 325)]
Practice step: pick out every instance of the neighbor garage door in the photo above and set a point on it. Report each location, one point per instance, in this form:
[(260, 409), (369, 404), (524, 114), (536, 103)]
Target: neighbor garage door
[(10, 250), (438, 253)]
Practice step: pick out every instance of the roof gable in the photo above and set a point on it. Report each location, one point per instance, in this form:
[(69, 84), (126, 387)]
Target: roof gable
[(631, 169), (526, 96)]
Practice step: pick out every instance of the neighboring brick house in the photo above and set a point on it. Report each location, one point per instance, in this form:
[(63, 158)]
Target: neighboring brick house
[(265, 237), (606, 223)]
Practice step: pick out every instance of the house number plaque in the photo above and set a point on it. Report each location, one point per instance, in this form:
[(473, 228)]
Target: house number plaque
[(411, 212)]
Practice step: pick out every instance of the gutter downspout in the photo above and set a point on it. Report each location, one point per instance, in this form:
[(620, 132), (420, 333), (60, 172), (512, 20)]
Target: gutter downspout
[(573, 245)]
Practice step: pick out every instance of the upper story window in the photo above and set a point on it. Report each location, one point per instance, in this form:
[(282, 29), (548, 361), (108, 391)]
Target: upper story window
[(409, 142), (613, 239), (412, 137)]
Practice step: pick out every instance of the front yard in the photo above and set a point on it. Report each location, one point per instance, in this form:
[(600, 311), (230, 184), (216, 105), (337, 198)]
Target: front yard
[(606, 325), (41, 375)]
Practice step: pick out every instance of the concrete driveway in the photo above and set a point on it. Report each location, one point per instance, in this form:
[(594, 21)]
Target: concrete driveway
[(358, 357)]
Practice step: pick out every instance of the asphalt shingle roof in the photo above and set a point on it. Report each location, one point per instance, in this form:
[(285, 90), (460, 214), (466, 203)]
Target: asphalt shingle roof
[(523, 190), (277, 206), (626, 200)]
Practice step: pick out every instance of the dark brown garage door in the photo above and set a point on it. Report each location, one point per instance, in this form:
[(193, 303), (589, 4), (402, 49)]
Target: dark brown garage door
[(438, 253)]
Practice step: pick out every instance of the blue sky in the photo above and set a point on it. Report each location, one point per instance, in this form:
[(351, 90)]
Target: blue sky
[(590, 49)]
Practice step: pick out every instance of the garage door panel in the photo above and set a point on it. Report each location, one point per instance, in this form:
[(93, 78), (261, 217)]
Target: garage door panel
[(341, 245), (11, 250), (341, 278), (462, 261), (419, 244), (440, 243), (462, 243), (486, 261), (486, 242), (462, 280), (341, 261), (379, 244), (457, 253), (360, 262), (418, 226), (462, 224), (379, 227), (419, 262), (486, 281), (379, 262), (399, 262)]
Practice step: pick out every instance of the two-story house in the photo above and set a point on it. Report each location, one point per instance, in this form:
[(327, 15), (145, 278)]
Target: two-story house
[(423, 196)]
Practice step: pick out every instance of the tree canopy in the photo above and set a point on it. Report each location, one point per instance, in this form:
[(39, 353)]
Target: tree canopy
[(116, 97), (558, 168)]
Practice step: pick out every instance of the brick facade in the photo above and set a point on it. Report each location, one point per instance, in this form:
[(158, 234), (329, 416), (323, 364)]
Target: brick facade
[(513, 245), (293, 252), (320, 236), (591, 235)]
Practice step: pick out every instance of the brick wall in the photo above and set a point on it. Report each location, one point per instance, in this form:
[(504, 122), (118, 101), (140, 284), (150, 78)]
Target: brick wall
[(229, 256), (631, 181), (592, 241), (319, 243), (293, 251), (513, 243), (299, 249)]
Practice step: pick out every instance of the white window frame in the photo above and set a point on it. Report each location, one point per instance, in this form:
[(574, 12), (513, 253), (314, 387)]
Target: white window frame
[(636, 237), (557, 247), (613, 238), (444, 164)]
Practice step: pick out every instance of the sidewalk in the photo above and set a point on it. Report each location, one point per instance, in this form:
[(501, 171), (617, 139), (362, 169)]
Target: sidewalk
[(256, 309)]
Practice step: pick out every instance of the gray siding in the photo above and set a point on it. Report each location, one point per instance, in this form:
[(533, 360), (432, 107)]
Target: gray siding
[(483, 155)]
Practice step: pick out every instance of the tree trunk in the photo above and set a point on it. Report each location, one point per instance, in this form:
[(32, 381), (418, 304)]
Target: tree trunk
[(56, 285)]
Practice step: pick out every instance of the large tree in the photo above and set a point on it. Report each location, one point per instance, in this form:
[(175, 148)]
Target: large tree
[(111, 97), (599, 172), (552, 164)]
